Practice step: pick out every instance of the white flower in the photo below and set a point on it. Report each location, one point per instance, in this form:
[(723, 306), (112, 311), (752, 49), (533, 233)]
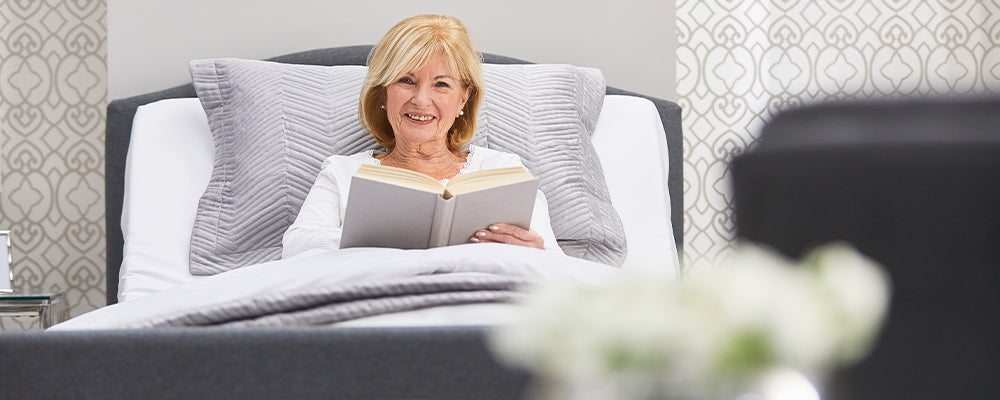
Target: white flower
[(857, 291), (756, 311)]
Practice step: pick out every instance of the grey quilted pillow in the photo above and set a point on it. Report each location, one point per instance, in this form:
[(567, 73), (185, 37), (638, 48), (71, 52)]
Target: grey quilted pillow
[(546, 114), (274, 124)]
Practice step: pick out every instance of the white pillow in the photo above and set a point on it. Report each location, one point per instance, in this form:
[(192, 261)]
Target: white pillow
[(170, 161), (632, 145), (167, 168)]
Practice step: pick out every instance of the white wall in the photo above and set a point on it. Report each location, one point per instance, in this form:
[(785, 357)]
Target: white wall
[(151, 42)]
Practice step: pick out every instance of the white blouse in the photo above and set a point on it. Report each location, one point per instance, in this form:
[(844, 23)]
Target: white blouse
[(318, 225)]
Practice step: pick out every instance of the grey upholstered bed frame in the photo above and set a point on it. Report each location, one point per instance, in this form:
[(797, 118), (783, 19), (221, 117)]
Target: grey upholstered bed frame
[(121, 112), (293, 362)]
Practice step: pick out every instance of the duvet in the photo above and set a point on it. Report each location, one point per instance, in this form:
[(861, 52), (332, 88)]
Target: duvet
[(325, 287)]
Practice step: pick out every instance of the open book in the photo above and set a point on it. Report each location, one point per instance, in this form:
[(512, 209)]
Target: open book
[(395, 207)]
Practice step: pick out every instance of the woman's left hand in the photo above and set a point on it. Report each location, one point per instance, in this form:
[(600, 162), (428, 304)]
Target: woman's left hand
[(510, 234)]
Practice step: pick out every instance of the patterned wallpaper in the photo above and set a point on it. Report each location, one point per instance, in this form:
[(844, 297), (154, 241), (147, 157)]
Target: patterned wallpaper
[(53, 96), (740, 62)]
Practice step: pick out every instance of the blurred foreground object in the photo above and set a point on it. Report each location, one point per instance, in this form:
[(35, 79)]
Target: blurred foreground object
[(716, 334), (915, 185)]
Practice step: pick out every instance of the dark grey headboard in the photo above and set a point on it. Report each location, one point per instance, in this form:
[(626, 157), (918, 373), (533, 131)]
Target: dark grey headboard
[(119, 130)]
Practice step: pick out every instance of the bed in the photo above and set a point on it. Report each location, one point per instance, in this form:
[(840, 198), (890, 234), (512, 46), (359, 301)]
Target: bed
[(429, 342)]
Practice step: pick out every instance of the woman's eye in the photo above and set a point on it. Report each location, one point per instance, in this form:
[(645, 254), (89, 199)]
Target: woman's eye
[(406, 80), (442, 85)]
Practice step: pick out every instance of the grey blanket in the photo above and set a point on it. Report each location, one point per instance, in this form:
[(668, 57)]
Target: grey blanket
[(326, 305), (324, 287)]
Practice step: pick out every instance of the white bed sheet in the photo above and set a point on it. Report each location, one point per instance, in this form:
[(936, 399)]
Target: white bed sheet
[(170, 161)]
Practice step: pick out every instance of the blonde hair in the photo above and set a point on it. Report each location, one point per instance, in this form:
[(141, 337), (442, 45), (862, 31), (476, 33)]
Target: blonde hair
[(409, 46)]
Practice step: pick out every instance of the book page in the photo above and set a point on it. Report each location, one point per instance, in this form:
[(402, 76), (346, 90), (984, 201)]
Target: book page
[(399, 176), (480, 180)]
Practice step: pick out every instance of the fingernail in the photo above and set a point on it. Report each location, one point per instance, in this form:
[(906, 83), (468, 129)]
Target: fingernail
[(494, 227), (481, 234), (474, 240)]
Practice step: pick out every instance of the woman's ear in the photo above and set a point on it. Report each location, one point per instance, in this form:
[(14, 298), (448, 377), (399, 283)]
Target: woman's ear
[(465, 97)]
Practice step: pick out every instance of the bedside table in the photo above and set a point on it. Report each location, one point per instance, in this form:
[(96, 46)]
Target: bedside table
[(50, 308)]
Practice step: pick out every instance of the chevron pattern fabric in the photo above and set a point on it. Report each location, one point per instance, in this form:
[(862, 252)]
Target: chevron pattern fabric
[(547, 114), (272, 128), (273, 125)]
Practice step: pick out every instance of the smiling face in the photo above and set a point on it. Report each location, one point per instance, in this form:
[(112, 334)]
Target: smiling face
[(422, 105)]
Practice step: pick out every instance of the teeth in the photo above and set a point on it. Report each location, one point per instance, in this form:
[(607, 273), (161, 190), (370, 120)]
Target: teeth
[(420, 117)]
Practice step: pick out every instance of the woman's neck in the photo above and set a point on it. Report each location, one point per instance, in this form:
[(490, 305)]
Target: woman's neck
[(436, 161)]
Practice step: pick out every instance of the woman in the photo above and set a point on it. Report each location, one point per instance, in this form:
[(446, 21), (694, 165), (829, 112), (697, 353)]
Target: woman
[(419, 100)]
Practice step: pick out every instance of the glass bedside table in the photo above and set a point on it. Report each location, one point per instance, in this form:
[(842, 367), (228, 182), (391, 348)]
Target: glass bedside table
[(50, 308)]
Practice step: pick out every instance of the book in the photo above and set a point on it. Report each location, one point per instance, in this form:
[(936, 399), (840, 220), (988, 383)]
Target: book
[(400, 208)]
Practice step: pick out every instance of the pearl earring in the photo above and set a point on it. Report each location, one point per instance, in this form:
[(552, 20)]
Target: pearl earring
[(383, 106), (461, 113)]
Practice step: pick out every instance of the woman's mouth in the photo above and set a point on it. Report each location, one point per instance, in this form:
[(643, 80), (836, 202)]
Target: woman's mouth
[(419, 118)]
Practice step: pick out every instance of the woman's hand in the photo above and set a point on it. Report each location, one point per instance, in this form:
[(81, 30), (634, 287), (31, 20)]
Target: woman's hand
[(510, 234)]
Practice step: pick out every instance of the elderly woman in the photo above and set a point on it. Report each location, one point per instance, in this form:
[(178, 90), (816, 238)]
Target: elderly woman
[(419, 100)]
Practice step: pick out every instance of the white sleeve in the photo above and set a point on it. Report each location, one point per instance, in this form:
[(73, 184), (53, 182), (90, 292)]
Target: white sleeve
[(541, 223), (318, 225)]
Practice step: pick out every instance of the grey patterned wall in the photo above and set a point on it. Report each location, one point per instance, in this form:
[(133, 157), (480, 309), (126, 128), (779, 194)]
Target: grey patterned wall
[(740, 62), (53, 95)]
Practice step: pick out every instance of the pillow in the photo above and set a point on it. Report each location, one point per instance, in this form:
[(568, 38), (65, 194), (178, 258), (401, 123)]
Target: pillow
[(158, 204), (273, 124), (629, 137), (547, 114)]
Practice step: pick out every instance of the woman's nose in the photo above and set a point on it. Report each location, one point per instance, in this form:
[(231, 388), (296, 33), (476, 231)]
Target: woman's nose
[(421, 96)]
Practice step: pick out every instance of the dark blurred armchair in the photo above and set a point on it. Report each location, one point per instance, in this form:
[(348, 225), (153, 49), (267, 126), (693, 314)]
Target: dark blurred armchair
[(914, 184)]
